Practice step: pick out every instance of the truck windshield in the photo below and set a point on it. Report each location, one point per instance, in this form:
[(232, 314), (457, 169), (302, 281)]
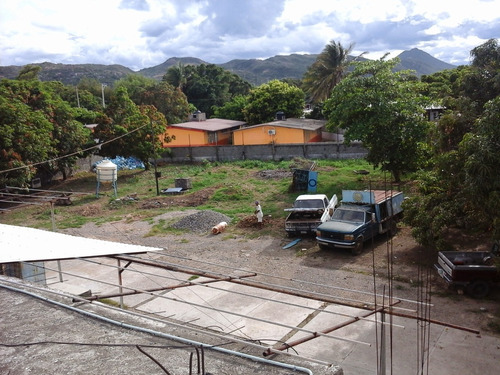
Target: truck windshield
[(349, 215), (309, 203)]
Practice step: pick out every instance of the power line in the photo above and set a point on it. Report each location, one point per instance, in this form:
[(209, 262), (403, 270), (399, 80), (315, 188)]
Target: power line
[(74, 153)]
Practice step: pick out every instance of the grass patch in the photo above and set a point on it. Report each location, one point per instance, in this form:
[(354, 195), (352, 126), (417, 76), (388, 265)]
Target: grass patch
[(235, 185), (161, 228)]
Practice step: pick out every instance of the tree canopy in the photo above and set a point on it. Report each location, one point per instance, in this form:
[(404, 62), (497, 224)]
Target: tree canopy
[(36, 125), (134, 130), (272, 97), (167, 99), (461, 189), (326, 72), (206, 86), (384, 110)]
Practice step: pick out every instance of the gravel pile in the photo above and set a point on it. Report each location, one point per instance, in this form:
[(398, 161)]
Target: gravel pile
[(202, 221)]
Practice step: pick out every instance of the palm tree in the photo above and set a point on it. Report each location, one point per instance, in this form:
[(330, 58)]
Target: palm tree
[(176, 76), (326, 72)]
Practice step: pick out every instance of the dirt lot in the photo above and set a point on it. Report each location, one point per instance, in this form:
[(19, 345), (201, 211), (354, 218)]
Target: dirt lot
[(247, 246)]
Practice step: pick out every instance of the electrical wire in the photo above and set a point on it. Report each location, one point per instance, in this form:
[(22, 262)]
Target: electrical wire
[(73, 153)]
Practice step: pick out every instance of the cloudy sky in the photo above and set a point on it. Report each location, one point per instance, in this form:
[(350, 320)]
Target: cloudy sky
[(144, 33)]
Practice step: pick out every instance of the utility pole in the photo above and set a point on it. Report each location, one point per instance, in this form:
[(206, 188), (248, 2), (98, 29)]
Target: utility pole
[(103, 85), (77, 97), (154, 156)]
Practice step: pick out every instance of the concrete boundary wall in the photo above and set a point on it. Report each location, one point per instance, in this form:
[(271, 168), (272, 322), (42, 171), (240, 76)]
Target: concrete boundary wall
[(317, 150)]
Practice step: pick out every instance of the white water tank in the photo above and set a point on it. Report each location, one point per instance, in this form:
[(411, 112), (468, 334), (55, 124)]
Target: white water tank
[(106, 171)]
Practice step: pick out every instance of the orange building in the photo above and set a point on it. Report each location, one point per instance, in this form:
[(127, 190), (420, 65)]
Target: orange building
[(211, 132), (292, 130)]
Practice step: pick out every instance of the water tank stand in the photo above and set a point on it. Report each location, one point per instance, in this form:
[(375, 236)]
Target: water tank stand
[(113, 184)]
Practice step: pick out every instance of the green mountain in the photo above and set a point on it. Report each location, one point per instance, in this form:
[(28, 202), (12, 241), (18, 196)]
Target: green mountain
[(421, 62), (277, 67), (157, 72), (253, 70), (70, 74)]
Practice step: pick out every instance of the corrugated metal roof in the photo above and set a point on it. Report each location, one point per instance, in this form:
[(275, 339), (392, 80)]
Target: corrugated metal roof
[(213, 124), (23, 244), (295, 123)]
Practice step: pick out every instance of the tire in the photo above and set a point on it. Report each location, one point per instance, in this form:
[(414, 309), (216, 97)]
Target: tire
[(478, 289), (358, 248)]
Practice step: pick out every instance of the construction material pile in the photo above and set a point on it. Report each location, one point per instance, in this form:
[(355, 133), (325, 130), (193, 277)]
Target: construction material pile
[(202, 221)]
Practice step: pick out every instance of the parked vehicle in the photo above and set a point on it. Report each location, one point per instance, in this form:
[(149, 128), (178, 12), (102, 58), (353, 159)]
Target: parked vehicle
[(471, 271), (309, 211), (360, 216)]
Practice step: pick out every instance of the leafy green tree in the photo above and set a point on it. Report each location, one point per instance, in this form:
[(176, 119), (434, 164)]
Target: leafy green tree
[(29, 73), (176, 76), (136, 85), (167, 99), (170, 101), (326, 72), (383, 110), (25, 134), (232, 110), (461, 189), (481, 154), (267, 99), (130, 130), (97, 89), (37, 125), (208, 85)]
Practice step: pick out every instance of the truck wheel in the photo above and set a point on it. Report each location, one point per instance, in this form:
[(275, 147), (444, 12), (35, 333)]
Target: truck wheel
[(478, 289), (358, 248), (323, 246)]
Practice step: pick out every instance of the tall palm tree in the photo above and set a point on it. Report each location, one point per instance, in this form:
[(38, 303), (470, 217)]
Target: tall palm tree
[(176, 76), (327, 71)]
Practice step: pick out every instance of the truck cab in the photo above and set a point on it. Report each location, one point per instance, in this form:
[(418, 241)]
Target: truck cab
[(309, 211), (360, 216)]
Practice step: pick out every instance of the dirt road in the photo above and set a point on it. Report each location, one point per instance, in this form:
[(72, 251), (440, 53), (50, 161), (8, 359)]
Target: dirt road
[(247, 247)]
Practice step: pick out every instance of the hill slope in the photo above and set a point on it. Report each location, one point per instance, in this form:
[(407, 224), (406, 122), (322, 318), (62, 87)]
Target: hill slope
[(253, 70), (421, 62)]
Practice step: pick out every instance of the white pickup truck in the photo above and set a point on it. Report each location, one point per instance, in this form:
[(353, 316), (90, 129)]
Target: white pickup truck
[(308, 212)]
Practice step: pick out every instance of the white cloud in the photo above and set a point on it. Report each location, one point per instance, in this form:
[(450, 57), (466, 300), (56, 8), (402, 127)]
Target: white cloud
[(144, 33)]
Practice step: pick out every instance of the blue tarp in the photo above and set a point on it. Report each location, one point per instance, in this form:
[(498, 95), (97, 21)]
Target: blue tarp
[(125, 163)]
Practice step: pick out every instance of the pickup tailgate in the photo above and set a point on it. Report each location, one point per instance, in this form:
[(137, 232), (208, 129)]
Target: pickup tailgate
[(465, 267)]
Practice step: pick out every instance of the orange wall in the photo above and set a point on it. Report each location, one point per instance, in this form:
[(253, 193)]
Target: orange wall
[(260, 135), (224, 138), (186, 137), (313, 136), (250, 136)]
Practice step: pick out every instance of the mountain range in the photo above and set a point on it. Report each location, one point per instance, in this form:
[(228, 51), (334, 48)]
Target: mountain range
[(254, 71)]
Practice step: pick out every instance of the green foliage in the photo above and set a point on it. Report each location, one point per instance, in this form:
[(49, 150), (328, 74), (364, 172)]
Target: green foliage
[(268, 99), (29, 73), (462, 189), (206, 86), (232, 110), (133, 129), (326, 72), (385, 111), (167, 99), (36, 125), (482, 158)]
